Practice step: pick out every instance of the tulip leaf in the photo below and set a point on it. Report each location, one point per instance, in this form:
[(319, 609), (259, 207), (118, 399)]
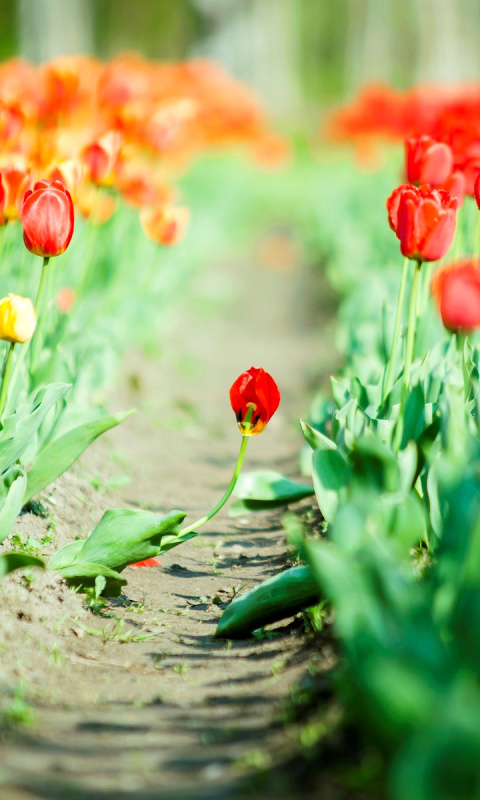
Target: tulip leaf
[(282, 596), (11, 561), (316, 439), (265, 490), (124, 536), (62, 452), (20, 428), (330, 477), (66, 555), (13, 504)]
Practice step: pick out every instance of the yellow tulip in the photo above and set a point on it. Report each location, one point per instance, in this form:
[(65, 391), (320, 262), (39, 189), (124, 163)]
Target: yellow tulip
[(17, 319)]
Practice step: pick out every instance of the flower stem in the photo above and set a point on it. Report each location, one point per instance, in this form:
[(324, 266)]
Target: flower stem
[(476, 245), (38, 306), (396, 332), (412, 319), (39, 311), (221, 503), (6, 377)]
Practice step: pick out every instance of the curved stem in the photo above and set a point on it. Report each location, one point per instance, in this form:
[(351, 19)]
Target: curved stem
[(396, 332), (412, 318), (221, 503), (6, 377)]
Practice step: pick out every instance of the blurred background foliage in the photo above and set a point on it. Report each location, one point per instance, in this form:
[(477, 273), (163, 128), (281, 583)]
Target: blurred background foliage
[(297, 54)]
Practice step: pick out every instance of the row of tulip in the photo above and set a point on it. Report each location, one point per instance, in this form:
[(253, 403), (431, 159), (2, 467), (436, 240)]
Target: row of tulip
[(394, 456), (70, 129)]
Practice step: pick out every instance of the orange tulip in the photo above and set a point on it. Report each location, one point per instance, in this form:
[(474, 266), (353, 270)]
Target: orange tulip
[(165, 224)]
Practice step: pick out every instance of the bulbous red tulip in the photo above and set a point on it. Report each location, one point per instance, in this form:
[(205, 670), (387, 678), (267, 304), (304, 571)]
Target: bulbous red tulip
[(47, 219), (254, 397), (423, 219), (456, 288), (427, 161)]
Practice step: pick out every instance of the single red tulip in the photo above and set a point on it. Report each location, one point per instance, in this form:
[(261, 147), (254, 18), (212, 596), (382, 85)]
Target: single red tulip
[(456, 288), (427, 161), (254, 397), (423, 219), (47, 219)]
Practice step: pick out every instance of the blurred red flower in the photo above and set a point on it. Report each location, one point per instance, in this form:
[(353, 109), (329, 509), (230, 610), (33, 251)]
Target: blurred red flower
[(427, 161), (456, 289)]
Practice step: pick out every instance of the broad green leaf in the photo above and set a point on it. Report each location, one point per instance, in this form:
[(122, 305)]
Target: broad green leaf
[(12, 505), (316, 440), (66, 555), (84, 569), (20, 428), (330, 476), (11, 561), (61, 453), (83, 574), (266, 489), (282, 596), (124, 536)]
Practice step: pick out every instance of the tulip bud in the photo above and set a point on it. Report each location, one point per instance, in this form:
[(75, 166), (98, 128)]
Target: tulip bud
[(17, 319), (254, 397), (47, 219)]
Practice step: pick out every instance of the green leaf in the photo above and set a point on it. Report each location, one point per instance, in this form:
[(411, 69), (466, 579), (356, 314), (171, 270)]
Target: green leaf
[(282, 596), (267, 489), (84, 569), (316, 440), (124, 536), (11, 561), (20, 428), (66, 555), (61, 453), (330, 477), (13, 504)]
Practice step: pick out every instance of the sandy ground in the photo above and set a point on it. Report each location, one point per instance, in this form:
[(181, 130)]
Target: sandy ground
[(145, 703)]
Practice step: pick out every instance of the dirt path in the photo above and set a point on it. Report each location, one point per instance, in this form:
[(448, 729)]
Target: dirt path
[(175, 714)]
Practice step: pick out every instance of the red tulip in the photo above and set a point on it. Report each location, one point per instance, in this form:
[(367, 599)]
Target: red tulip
[(427, 161), (147, 562), (47, 219), (254, 397), (456, 288), (423, 219)]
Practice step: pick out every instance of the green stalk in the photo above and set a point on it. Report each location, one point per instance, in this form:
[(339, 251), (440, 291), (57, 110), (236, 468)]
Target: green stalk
[(40, 303), (412, 320), (38, 306), (221, 503), (476, 246), (6, 377), (396, 332)]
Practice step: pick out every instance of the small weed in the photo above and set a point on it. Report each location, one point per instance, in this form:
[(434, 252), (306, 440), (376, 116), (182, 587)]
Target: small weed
[(116, 633), (315, 617), (181, 669), (56, 656), (17, 712)]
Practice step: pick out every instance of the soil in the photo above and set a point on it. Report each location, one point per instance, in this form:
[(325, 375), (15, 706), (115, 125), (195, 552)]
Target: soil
[(141, 701)]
